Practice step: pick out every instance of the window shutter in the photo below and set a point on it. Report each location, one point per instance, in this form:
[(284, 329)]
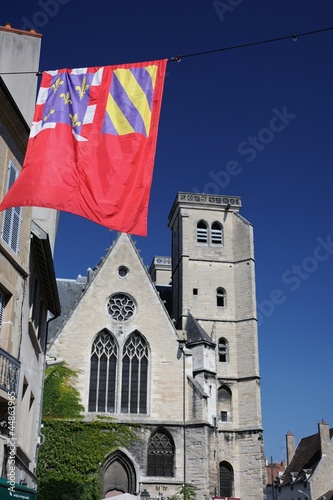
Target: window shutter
[(12, 216), (2, 312)]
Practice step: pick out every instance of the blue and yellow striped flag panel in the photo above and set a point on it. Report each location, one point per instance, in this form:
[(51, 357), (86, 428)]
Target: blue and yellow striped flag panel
[(129, 104)]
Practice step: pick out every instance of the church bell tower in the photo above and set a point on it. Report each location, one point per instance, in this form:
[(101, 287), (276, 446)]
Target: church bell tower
[(213, 284)]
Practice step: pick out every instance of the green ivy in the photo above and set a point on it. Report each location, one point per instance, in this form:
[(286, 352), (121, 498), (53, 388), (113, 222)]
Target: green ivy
[(61, 400), (69, 462)]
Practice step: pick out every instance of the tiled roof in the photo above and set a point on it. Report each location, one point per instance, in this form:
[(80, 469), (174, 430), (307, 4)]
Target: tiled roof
[(8, 27), (273, 470)]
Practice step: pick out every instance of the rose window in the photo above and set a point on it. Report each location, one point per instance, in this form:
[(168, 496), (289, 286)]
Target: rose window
[(121, 307)]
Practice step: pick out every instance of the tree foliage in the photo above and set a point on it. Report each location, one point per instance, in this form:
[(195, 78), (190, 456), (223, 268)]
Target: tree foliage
[(186, 492), (69, 464)]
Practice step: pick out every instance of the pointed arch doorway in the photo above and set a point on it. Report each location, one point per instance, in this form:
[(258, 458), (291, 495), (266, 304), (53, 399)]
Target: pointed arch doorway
[(118, 475)]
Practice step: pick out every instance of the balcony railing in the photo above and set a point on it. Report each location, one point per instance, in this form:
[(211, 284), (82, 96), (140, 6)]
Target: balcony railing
[(9, 372)]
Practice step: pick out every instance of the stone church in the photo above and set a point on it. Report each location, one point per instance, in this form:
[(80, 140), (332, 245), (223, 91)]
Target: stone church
[(174, 348)]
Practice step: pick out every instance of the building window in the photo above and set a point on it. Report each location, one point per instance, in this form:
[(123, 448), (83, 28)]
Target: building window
[(38, 308), (12, 216), (224, 416), (202, 232), (195, 291), (224, 402), (116, 380), (2, 312), (223, 350), (161, 451), (103, 364), (220, 297), (134, 375), (122, 271), (226, 479), (121, 307), (216, 233)]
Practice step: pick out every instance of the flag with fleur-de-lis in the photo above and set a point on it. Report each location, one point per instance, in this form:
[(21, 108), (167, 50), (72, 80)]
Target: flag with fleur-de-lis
[(92, 144)]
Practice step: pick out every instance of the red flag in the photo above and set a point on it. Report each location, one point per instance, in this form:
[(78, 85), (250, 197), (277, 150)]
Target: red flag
[(92, 144)]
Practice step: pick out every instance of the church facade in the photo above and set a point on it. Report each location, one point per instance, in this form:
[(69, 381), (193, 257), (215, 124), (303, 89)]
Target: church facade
[(173, 348)]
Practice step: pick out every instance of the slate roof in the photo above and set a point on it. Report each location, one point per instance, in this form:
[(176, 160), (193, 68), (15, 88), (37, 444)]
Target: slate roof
[(165, 292), (70, 292), (195, 334), (328, 495)]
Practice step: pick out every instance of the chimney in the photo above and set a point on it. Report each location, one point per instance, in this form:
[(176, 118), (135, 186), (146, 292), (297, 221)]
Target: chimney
[(290, 443), (324, 436)]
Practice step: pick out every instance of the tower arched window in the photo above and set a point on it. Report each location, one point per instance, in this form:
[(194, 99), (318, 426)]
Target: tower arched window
[(226, 479), (223, 350), (220, 297), (216, 233), (161, 452), (134, 375), (202, 232), (103, 363), (224, 403)]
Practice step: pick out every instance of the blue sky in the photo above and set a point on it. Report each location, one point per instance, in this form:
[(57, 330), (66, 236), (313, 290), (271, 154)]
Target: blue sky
[(268, 109)]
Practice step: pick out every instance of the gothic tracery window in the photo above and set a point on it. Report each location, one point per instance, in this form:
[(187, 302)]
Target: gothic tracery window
[(103, 363), (161, 452), (134, 375)]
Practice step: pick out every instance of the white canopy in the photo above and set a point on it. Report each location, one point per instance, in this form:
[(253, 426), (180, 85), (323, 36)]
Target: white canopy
[(123, 496)]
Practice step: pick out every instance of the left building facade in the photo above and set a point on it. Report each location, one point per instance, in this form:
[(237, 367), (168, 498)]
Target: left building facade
[(28, 291)]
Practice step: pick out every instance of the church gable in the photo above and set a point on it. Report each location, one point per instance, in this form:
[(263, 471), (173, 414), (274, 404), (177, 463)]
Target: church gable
[(113, 339), (194, 391)]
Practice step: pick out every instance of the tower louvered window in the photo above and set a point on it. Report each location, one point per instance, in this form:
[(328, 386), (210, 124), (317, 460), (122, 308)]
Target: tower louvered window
[(202, 232), (12, 216), (134, 375), (103, 363), (161, 452), (216, 233)]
